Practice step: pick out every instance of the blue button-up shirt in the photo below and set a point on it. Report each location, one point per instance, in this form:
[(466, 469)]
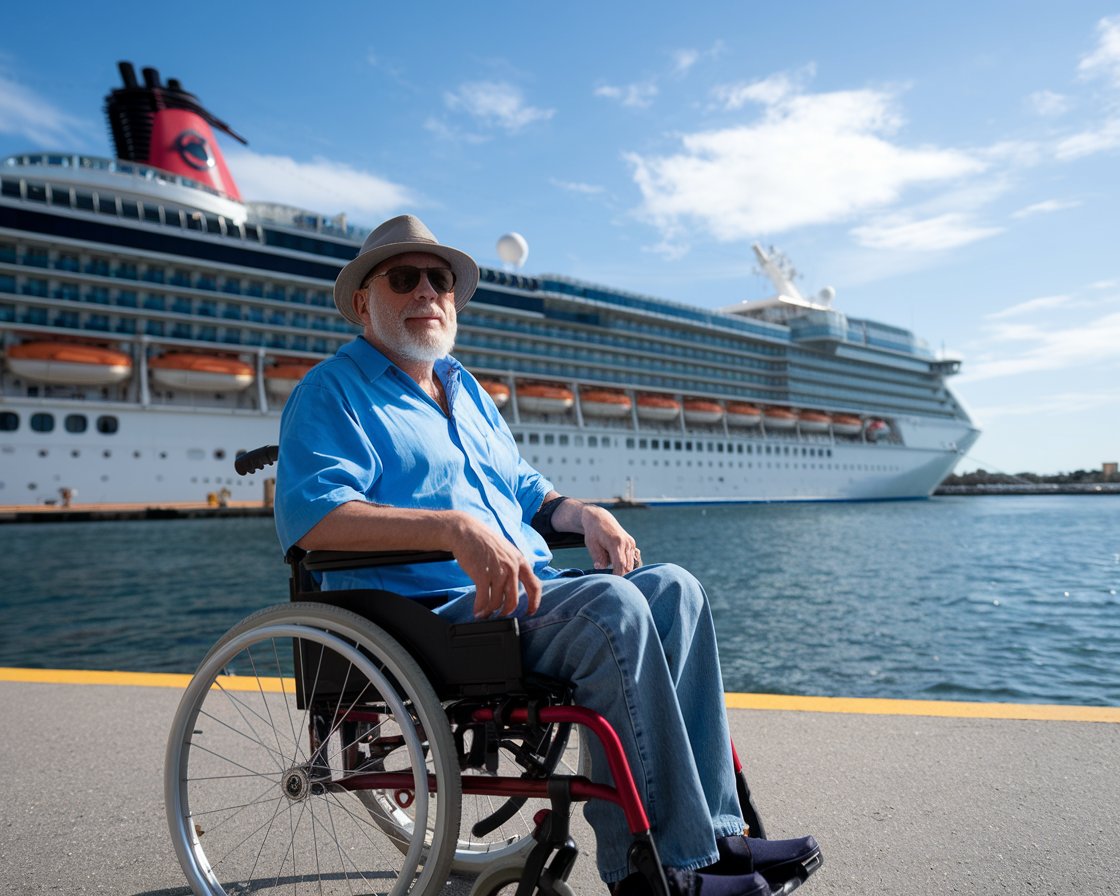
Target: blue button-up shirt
[(357, 428)]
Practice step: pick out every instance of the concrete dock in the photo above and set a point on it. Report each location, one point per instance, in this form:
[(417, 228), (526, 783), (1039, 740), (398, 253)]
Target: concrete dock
[(905, 798)]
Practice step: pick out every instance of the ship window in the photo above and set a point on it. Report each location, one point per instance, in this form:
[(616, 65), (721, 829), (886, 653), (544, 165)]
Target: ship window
[(37, 192), (534, 438), (11, 187), (194, 221), (219, 454), (107, 424), (212, 224), (629, 443), (107, 205), (549, 438), (76, 423), (643, 443), (592, 441), (563, 441), (9, 421), (83, 201), (42, 422), (151, 213), (519, 437), (60, 196)]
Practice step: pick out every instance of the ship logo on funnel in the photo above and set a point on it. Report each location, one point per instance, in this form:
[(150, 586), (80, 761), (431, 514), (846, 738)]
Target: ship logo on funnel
[(194, 150)]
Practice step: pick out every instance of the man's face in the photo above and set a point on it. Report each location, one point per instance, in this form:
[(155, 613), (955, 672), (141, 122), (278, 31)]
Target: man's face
[(417, 326)]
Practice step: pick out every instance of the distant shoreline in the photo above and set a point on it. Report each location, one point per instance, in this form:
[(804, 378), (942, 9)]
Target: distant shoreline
[(1031, 488)]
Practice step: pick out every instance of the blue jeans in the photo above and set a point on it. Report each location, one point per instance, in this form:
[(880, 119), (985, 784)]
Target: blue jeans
[(641, 651)]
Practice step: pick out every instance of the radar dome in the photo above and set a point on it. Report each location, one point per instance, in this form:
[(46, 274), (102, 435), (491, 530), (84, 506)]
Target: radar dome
[(827, 295), (512, 249)]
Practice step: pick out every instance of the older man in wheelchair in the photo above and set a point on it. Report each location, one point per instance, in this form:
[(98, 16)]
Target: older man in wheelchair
[(392, 446)]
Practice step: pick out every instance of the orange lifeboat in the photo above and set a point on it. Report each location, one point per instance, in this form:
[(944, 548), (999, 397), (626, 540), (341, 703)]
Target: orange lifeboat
[(658, 407), (604, 403), (498, 392), (813, 421), (699, 410), (740, 413), (201, 373), (281, 378), (779, 418), (542, 398), (876, 430), (846, 425), (69, 363)]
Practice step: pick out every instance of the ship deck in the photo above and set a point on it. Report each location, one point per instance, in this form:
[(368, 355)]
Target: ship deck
[(989, 798)]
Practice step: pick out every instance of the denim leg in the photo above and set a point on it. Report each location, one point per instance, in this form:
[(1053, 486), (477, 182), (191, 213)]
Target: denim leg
[(604, 633)]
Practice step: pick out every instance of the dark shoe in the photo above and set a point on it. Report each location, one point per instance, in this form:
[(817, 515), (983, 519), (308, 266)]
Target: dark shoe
[(776, 860), (695, 883)]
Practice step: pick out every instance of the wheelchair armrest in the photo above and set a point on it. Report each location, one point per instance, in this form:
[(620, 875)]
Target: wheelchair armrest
[(320, 561)]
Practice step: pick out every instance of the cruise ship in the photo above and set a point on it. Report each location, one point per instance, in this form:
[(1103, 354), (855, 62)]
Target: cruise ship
[(152, 324)]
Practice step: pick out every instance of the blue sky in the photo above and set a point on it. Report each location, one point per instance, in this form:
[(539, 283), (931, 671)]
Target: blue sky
[(951, 169)]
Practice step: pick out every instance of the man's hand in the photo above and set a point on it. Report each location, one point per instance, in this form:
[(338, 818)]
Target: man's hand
[(609, 544), (496, 567)]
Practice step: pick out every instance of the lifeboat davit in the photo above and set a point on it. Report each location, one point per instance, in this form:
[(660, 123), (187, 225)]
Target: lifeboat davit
[(846, 425), (280, 379), (604, 403), (658, 407), (201, 373), (498, 392), (698, 410), (876, 429), (813, 421), (779, 418), (742, 414), (541, 398), (69, 363)]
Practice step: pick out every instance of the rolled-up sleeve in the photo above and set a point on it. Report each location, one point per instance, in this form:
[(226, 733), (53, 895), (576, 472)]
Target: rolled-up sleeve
[(326, 461)]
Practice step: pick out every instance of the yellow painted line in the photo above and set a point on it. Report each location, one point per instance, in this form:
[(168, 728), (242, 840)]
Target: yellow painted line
[(141, 679), (945, 708), (781, 702)]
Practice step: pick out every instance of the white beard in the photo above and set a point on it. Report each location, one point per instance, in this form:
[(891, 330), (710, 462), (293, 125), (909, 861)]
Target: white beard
[(426, 346)]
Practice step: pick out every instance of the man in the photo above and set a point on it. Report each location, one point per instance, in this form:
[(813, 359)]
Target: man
[(391, 444)]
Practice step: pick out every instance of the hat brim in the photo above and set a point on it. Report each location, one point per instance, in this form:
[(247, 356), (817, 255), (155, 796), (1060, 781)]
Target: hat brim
[(350, 278)]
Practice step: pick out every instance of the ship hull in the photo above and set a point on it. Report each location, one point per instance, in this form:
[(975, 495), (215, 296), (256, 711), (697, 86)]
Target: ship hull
[(166, 455)]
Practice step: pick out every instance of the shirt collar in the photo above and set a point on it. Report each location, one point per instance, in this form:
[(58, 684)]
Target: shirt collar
[(373, 364)]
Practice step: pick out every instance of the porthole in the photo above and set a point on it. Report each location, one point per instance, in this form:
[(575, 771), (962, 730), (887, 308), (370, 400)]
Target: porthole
[(107, 424), (9, 421), (76, 423), (42, 422), (219, 454)]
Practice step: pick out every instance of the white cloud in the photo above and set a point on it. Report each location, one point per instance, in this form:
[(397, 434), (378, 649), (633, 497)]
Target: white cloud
[(766, 91), (947, 231), (683, 60), (636, 96), (1058, 403), (1104, 60), (320, 185), (496, 104), (1048, 348), (1030, 306), (1045, 208), (576, 187), (25, 114), (1100, 139), (809, 159), (1048, 103)]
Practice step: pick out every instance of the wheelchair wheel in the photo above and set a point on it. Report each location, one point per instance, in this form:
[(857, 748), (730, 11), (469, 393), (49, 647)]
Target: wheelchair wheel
[(495, 828), (290, 720)]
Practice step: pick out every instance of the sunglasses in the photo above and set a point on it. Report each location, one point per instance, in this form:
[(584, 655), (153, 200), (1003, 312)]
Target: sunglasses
[(404, 278)]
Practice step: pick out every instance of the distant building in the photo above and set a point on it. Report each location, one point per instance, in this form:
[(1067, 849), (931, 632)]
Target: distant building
[(1108, 471)]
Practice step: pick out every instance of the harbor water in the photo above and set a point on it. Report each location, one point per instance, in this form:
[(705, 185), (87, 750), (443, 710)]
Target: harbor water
[(958, 598)]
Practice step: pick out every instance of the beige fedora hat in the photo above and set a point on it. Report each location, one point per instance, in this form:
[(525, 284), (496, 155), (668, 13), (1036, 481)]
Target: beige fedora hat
[(405, 233)]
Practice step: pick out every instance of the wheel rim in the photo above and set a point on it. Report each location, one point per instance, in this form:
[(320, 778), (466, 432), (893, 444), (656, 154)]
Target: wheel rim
[(253, 806)]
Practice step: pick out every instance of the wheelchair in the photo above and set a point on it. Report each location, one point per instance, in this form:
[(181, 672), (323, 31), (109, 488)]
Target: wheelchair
[(355, 742)]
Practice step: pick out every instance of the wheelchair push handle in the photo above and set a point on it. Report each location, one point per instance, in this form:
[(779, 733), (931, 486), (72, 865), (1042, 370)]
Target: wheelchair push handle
[(257, 459)]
